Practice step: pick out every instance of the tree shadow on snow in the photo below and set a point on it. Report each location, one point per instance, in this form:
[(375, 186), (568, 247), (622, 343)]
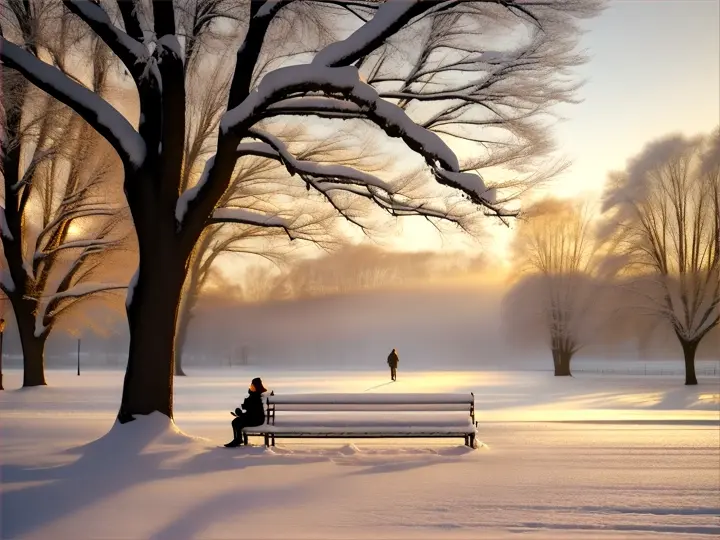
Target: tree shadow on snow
[(227, 505), (111, 465)]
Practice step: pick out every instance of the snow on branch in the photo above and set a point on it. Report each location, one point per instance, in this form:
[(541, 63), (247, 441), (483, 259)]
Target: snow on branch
[(76, 244), (128, 50), (85, 210), (6, 281), (391, 118), (189, 195), (97, 112), (388, 20), (51, 308), (341, 173), (330, 179), (324, 107), (86, 289), (4, 228), (248, 217), (38, 158), (345, 80)]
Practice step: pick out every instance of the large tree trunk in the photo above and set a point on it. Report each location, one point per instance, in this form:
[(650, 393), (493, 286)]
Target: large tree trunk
[(152, 314), (152, 306), (561, 361), (33, 347), (689, 350)]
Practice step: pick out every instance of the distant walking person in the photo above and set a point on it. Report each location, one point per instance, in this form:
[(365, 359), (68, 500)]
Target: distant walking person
[(393, 361), (253, 414)]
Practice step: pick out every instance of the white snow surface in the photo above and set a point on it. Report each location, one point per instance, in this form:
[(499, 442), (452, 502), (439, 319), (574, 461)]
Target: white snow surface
[(564, 458)]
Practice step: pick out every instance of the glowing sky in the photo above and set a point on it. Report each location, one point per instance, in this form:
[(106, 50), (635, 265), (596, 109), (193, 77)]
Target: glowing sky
[(654, 69)]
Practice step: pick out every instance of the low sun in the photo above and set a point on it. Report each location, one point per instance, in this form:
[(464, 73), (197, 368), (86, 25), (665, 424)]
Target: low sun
[(74, 230)]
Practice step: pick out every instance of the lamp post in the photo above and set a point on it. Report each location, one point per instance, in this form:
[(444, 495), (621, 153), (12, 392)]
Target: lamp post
[(2, 333)]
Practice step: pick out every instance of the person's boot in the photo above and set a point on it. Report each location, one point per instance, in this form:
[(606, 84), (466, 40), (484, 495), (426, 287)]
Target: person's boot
[(237, 439)]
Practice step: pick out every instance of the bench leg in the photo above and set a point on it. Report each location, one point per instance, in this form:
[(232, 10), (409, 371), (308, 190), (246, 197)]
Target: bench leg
[(245, 438), (267, 440), (273, 440)]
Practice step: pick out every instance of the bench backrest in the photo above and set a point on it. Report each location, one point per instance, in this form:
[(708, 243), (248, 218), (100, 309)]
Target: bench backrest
[(372, 402)]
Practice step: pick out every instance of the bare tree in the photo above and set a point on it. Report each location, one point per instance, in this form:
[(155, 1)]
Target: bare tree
[(58, 221), (169, 223), (556, 251), (257, 179), (256, 183), (664, 216)]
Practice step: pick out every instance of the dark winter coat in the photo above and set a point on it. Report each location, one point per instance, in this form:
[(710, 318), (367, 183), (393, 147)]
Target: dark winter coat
[(254, 408), (393, 360)]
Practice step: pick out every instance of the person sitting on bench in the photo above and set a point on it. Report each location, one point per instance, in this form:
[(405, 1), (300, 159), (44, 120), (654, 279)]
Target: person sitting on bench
[(254, 414)]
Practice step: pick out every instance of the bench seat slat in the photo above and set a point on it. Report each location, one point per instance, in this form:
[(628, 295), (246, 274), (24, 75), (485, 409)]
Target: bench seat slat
[(371, 399), (351, 431), (370, 420), (348, 435), (412, 407)]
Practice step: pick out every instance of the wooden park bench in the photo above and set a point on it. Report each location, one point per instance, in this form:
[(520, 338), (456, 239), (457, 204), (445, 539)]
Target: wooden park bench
[(364, 416)]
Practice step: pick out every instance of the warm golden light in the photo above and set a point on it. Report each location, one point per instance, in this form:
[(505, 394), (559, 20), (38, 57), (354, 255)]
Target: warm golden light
[(74, 230)]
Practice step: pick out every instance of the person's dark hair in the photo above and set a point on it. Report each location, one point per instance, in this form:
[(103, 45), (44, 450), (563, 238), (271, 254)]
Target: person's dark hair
[(257, 386)]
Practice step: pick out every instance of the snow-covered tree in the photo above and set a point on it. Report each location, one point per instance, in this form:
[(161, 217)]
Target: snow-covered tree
[(557, 255), (58, 222), (663, 213), (155, 42)]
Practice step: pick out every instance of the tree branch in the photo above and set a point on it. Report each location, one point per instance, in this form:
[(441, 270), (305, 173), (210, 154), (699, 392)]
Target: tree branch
[(97, 112), (261, 15), (128, 50)]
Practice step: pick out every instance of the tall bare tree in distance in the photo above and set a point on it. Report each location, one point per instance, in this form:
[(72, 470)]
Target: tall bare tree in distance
[(58, 222), (663, 212), (152, 42), (256, 179), (557, 255), (255, 183)]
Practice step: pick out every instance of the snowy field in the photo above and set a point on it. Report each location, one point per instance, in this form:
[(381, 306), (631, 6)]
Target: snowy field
[(595, 456)]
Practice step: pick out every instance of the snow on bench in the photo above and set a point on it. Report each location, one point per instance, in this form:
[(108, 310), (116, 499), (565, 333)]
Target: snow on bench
[(336, 416)]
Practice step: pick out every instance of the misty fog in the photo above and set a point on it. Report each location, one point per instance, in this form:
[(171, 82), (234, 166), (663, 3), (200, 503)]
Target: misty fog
[(348, 309)]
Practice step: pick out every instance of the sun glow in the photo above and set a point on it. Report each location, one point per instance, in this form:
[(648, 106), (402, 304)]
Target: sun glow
[(74, 230)]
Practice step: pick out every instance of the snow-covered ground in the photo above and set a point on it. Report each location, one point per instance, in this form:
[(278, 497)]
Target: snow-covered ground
[(588, 457)]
